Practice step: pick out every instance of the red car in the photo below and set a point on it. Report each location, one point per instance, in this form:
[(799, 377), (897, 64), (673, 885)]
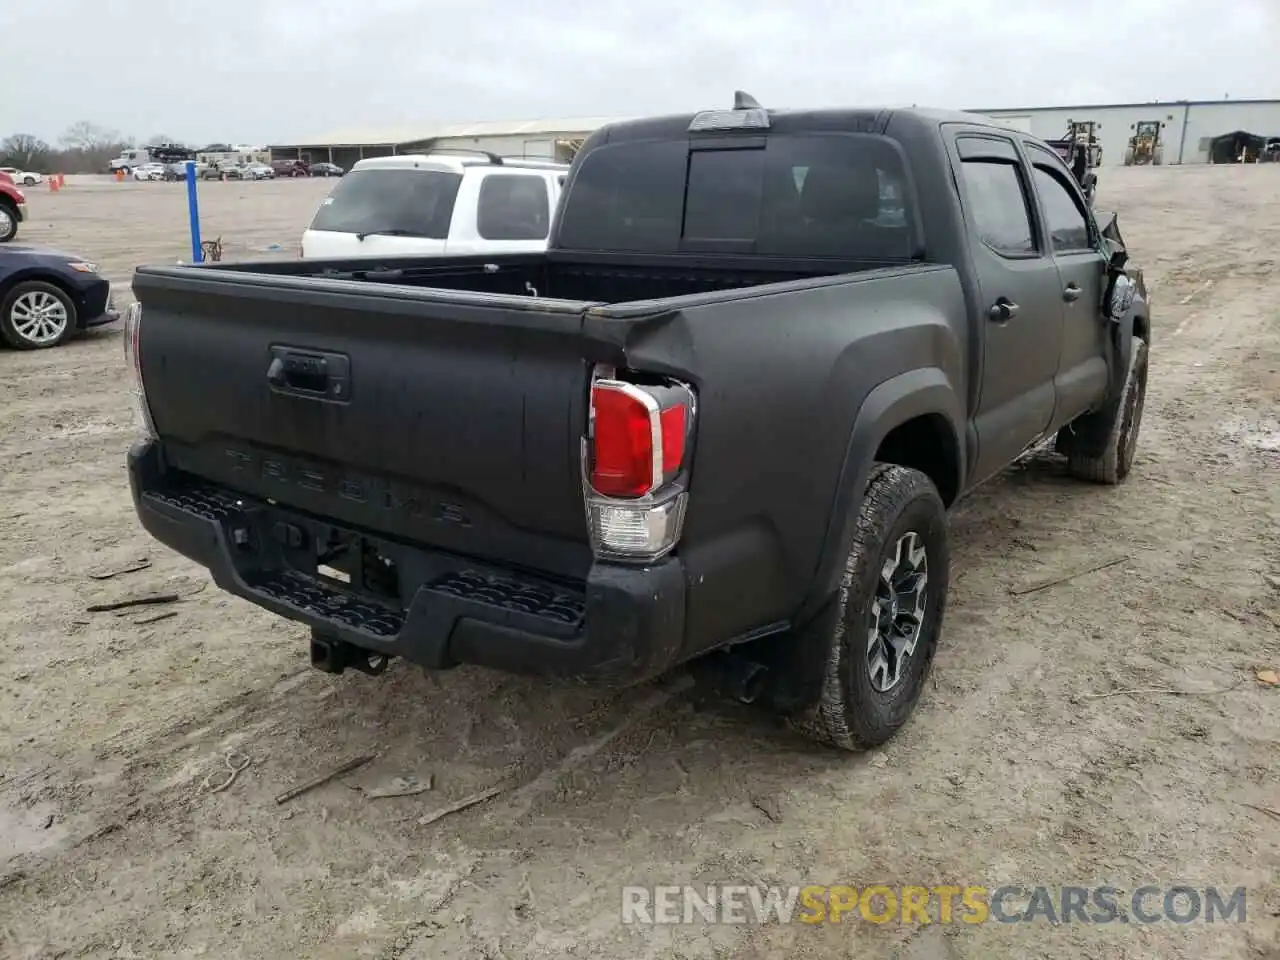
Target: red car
[(291, 168), (13, 208)]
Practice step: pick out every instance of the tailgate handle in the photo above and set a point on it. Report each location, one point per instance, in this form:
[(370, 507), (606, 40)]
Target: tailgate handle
[(309, 373)]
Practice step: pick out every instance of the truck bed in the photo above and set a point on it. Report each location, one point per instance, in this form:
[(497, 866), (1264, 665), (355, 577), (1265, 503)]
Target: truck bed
[(604, 280)]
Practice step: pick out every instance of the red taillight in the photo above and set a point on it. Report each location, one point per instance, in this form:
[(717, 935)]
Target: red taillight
[(638, 438), (625, 420)]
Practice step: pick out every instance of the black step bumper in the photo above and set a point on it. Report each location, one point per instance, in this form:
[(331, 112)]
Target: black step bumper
[(622, 625)]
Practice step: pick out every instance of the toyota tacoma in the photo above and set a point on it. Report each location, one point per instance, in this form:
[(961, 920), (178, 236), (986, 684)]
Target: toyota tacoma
[(720, 420)]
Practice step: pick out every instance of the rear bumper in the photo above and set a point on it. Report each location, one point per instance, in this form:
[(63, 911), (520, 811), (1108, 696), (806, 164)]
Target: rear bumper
[(622, 625)]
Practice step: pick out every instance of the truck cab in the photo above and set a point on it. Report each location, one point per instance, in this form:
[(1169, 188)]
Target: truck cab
[(130, 159)]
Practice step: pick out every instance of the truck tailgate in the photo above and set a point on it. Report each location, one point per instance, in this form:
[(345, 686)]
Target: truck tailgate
[(451, 419)]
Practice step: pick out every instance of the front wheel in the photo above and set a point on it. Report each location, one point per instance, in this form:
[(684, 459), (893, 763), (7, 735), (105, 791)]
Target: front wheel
[(891, 602), (36, 315), (1100, 446), (8, 222)]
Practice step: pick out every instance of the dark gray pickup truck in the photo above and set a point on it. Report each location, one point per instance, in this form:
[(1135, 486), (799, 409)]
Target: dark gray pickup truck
[(724, 414)]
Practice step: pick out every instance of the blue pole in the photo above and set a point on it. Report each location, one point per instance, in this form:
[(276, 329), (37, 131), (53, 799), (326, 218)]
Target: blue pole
[(193, 211)]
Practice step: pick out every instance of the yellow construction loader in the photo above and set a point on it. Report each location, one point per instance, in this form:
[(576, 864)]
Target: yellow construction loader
[(566, 150), (1145, 146)]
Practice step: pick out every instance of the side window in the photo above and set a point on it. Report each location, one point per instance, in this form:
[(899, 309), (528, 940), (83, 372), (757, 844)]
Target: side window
[(1068, 226), (513, 207), (998, 205)]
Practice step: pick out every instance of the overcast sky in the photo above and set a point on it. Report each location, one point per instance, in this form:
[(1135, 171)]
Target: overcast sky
[(278, 71)]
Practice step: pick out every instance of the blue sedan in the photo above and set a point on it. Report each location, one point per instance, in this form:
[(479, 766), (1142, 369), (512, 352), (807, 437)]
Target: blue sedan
[(47, 296)]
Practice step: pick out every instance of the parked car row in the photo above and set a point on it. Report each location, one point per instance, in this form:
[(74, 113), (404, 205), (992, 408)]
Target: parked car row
[(304, 168), (235, 171)]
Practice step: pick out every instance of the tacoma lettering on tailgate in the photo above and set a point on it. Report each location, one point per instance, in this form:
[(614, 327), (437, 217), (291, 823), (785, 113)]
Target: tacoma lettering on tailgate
[(396, 498)]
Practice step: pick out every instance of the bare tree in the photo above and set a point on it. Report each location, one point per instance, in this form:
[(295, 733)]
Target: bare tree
[(86, 136), (25, 151), (88, 148)]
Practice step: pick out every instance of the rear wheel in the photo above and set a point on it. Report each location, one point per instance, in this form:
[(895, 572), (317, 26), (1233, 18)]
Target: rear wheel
[(36, 315), (28, 181), (8, 221), (891, 602)]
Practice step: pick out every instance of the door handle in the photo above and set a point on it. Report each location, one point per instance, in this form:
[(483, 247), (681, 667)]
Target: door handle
[(1002, 310), (1071, 293), (316, 375)]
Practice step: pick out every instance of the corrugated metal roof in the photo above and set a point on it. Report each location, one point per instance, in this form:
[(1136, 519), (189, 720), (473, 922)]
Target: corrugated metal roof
[(1006, 111), (416, 133), (413, 133)]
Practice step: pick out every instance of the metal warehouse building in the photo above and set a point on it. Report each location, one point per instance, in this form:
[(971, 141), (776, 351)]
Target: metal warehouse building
[(548, 139), (1194, 131)]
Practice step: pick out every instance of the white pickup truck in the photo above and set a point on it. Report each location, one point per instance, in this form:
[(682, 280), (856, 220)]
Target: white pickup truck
[(437, 204)]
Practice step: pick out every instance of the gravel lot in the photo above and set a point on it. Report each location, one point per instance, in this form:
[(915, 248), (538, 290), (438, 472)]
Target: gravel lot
[(113, 729)]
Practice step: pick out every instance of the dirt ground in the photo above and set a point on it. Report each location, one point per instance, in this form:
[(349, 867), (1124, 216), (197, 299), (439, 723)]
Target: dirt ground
[(114, 730)]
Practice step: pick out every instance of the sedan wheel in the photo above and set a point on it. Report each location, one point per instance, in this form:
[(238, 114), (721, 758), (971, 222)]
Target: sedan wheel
[(36, 315)]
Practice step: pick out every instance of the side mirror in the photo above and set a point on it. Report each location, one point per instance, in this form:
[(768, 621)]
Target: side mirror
[(1117, 256)]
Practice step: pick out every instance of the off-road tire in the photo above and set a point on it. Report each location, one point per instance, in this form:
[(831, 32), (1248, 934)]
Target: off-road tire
[(1100, 446), (850, 713)]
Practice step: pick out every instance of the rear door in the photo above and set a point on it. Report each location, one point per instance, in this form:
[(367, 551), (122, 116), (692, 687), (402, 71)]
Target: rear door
[(1020, 312), (502, 211), (1072, 235), (384, 212)]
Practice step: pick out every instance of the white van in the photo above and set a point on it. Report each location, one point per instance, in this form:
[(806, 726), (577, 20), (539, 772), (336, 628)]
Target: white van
[(437, 204)]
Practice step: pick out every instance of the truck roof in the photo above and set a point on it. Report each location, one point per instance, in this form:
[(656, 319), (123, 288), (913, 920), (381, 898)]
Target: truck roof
[(847, 119)]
